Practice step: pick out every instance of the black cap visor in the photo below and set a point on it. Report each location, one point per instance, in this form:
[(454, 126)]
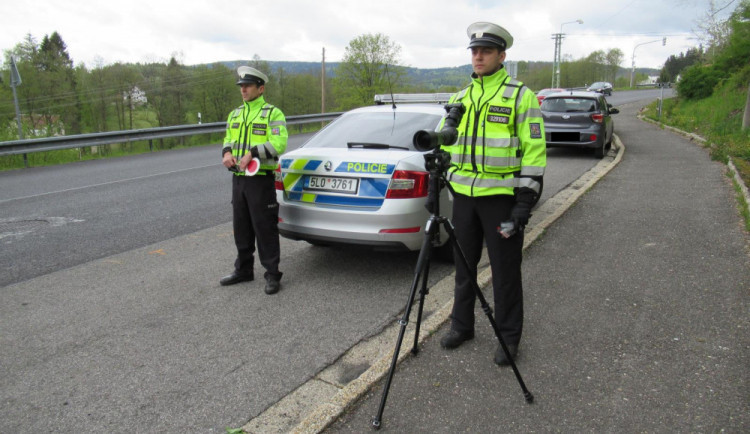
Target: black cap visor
[(488, 40)]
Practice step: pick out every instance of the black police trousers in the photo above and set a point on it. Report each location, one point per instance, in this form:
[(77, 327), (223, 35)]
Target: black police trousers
[(256, 217), (476, 221)]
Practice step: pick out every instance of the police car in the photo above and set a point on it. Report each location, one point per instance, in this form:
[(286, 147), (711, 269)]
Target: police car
[(360, 181)]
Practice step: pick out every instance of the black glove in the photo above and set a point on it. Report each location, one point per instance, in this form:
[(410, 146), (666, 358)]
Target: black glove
[(521, 212)]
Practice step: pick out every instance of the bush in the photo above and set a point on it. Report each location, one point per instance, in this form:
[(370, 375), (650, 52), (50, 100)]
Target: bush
[(698, 82)]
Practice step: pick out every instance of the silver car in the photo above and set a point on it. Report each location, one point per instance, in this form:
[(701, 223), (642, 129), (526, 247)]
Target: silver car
[(578, 119), (360, 181)]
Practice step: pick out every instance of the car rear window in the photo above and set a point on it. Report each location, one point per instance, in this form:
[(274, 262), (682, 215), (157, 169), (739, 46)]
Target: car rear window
[(386, 128), (568, 105)]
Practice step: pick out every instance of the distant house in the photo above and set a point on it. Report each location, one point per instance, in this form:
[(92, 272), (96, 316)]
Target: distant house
[(136, 95), (44, 126)]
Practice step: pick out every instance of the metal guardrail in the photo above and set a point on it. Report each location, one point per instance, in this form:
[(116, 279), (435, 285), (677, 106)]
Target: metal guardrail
[(27, 146)]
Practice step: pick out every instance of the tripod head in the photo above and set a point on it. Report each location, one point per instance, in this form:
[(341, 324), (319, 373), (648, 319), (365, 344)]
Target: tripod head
[(437, 163)]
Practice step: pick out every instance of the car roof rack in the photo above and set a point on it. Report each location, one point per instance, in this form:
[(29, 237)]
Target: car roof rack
[(439, 98)]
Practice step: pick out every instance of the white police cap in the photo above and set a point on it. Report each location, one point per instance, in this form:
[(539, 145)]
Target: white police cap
[(250, 75), (483, 34)]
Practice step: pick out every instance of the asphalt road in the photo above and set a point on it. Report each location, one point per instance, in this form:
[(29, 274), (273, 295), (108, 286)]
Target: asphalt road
[(111, 315)]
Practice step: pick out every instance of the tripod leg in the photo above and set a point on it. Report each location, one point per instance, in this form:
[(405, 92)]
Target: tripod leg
[(421, 271), (422, 295), (486, 308)]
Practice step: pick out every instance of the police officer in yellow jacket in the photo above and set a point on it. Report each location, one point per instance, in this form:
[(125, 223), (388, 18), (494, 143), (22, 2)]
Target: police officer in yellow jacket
[(256, 137), (496, 171)]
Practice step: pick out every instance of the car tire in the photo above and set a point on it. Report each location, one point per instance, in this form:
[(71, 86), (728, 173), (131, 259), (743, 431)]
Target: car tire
[(317, 243), (601, 151), (444, 253)]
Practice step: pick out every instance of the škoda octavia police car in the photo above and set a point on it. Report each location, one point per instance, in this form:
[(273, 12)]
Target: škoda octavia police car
[(360, 181)]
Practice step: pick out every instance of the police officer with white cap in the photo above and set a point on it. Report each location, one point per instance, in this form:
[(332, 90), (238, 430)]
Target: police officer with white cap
[(256, 136), (497, 165)]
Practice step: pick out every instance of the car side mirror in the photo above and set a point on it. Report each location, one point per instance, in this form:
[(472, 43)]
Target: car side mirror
[(613, 111)]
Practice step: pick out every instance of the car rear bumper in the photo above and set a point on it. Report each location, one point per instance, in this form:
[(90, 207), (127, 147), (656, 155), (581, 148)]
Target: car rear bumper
[(374, 228), (576, 139)]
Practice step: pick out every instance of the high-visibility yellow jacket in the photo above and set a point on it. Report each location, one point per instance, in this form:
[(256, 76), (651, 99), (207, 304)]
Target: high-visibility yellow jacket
[(258, 128), (501, 144)]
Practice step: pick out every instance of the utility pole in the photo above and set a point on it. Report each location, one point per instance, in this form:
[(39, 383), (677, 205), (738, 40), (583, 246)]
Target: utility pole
[(15, 80), (557, 62), (323, 83)]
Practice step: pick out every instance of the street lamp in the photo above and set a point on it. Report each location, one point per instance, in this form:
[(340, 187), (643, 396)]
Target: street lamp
[(557, 62), (632, 71)]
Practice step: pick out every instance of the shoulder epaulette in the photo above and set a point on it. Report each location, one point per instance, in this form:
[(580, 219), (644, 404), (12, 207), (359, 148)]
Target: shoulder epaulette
[(266, 111), (460, 94), (510, 87)]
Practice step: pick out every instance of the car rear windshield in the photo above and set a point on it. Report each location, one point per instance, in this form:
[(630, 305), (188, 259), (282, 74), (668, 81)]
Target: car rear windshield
[(569, 105), (385, 128)]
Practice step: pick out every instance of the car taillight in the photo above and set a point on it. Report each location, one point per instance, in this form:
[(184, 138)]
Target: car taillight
[(597, 117), (408, 185), (401, 230), (278, 180)]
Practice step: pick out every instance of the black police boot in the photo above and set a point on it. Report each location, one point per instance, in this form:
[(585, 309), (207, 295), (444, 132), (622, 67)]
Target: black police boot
[(236, 277), (500, 357), (272, 285), (453, 338)]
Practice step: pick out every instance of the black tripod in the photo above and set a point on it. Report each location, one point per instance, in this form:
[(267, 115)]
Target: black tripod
[(437, 162)]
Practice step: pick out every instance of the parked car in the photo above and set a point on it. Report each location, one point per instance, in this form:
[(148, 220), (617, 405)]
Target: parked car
[(360, 181), (602, 87), (579, 119), (544, 92)]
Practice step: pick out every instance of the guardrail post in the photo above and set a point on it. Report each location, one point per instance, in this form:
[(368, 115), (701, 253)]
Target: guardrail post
[(151, 145)]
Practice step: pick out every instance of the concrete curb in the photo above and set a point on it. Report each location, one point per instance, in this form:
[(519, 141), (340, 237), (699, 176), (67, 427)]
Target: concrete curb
[(324, 398)]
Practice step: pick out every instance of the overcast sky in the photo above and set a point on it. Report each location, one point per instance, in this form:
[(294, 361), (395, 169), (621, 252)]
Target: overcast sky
[(431, 33)]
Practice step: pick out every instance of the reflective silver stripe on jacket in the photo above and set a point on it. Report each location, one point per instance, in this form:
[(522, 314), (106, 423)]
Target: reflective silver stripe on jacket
[(503, 142), (532, 171), (270, 152), (530, 113), (477, 182), (482, 182), (505, 162), (530, 183)]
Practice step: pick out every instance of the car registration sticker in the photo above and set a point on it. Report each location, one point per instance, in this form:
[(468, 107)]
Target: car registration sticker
[(327, 183)]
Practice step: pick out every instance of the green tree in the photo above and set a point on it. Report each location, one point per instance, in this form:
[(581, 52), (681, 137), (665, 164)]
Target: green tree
[(735, 54), (364, 70), (699, 81), (711, 30), (214, 92), (59, 85), (167, 92), (613, 58), (674, 65)]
